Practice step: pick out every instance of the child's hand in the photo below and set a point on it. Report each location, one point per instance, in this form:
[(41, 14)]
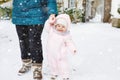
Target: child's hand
[(52, 19), (75, 51)]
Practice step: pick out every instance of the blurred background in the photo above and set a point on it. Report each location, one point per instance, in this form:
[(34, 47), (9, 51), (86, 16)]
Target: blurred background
[(104, 11)]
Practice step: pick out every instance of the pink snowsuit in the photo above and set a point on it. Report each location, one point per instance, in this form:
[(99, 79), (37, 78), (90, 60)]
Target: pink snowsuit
[(57, 46)]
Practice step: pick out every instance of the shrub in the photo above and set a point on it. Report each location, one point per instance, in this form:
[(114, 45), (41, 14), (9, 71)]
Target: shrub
[(76, 15), (5, 13)]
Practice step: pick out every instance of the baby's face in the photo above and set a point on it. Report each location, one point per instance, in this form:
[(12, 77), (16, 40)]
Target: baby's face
[(60, 28)]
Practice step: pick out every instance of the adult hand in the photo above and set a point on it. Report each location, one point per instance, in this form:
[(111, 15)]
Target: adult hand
[(75, 51)]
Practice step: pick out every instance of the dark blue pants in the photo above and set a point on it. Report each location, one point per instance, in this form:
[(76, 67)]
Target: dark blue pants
[(30, 42)]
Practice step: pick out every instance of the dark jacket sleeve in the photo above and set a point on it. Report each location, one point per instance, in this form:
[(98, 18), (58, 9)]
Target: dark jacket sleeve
[(52, 7)]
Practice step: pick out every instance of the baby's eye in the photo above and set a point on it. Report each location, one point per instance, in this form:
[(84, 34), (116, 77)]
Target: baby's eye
[(58, 25)]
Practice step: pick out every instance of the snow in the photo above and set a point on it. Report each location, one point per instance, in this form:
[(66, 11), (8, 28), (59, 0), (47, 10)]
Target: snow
[(97, 58)]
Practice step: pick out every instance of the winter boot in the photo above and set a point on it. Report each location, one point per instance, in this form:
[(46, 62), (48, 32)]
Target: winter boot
[(53, 77), (26, 66), (37, 72)]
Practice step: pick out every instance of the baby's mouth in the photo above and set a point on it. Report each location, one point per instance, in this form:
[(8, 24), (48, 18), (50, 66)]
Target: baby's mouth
[(60, 30)]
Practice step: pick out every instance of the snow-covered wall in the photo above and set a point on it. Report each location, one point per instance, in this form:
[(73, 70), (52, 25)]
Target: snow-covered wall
[(66, 4), (115, 5), (79, 5)]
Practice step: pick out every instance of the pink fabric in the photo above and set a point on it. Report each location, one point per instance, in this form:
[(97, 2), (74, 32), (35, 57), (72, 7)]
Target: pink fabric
[(57, 46), (66, 17)]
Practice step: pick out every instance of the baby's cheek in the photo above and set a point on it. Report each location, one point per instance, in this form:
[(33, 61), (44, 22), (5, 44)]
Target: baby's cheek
[(65, 29)]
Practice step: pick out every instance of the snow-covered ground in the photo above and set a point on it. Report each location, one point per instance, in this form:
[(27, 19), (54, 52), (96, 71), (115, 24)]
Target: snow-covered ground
[(97, 58)]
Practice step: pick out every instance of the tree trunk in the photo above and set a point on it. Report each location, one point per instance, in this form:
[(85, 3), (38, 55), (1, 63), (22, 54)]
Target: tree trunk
[(107, 10), (88, 10), (76, 2), (68, 3)]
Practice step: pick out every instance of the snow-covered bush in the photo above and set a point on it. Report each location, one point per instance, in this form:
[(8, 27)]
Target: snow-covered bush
[(75, 14), (5, 13)]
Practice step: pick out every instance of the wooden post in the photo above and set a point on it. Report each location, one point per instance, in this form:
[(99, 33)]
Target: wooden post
[(107, 10), (76, 2), (68, 3), (84, 10)]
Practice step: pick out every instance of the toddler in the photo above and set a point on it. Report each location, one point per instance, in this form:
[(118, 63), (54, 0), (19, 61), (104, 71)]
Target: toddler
[(58, 42)]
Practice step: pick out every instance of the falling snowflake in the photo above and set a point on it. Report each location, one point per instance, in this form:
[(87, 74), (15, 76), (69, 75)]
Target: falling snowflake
[(30, 40), (30, 29), (29, 54), (38, 10), (35, 0), (38, 42), (24, 22), (20, 3), (20, 41), (24, 34)]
